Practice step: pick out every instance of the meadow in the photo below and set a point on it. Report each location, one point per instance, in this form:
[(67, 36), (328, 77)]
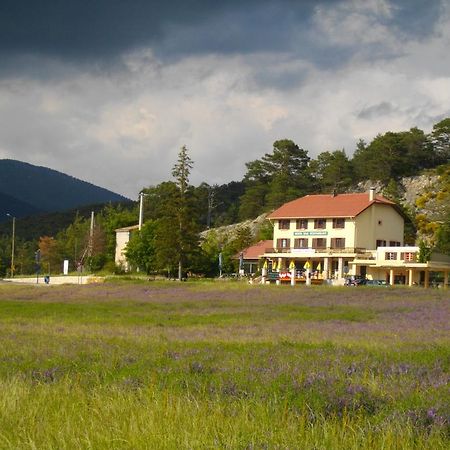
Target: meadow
[(131, 365)]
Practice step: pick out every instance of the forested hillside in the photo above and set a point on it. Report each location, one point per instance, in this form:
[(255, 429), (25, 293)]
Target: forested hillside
[(27, 189), (15, 207), (176, 212)]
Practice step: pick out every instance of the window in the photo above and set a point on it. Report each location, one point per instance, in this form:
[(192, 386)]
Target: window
[(300, 243), (390, 256), (319, 243), (394, 244), (320, 223), (338, 243), (408, 256), (339, 223), (283, 243), (381, 243), (301, 224), (284, 224)]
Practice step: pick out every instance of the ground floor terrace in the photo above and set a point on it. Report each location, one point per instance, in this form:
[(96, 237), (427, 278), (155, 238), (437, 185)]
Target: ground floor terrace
[(396, 265)]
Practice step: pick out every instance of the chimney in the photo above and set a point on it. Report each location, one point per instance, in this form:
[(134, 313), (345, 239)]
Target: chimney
[(372, 194)]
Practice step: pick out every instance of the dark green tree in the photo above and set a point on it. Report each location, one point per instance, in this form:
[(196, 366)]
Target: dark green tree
[(392, 155), (252, 202), (443, 236), (5, 253), (274, 179), (159, 200), (211, 246), (332, 171), (439, 140), (24, 258), (288, 167), (176, 211), (226, 197), (243, 238), (392, 191), (111, 218), (425, 252), (141, 249), (73, 241), (186, 236)]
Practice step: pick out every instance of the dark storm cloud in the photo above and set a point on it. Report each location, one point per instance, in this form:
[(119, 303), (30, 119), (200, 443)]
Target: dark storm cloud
[(70, 29), (101, 29)]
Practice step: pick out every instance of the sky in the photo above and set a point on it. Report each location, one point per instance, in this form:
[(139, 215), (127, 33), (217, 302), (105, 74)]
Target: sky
[(109, 90)]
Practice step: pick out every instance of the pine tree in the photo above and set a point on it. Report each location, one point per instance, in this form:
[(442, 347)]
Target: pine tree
[(276, 178), (439, 138), (186, 234)]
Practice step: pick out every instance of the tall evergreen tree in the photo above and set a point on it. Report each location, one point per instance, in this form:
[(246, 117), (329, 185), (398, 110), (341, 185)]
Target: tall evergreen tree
[(288, 167), (158, 199), (439, 139), (276, 178), (187, 237), (332, 171)]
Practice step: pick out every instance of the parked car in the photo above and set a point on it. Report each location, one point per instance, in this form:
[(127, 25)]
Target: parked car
[(376, 283), (355, 281)]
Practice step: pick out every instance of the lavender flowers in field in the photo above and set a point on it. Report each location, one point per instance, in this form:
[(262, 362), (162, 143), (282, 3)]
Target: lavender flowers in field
[(376, 360)]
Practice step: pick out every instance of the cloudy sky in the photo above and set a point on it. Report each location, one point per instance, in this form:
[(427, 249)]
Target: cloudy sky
[(109, 90)]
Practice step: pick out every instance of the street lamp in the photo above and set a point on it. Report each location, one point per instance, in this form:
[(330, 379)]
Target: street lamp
[(12, 242)]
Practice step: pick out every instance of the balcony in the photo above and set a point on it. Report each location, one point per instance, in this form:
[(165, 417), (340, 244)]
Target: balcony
[(361, 252), (277, 250), (365, 255), (357, 250)]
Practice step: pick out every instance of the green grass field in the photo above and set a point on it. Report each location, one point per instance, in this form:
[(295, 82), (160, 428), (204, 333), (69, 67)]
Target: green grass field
[(223, 365)]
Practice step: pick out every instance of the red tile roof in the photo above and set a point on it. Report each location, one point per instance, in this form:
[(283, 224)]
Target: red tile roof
[(257, 250), (327, 205)]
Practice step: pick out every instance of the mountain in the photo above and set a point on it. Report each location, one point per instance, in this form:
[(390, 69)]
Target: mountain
[(15, 207), (27, 189)]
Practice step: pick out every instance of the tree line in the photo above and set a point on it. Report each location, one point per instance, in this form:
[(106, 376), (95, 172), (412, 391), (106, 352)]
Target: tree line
[(176, 211)]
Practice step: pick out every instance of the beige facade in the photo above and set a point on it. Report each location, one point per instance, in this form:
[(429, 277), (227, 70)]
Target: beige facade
[(332, 243), (340, 241), (379, 223), (123, 236), (376, 223), (292, 235)]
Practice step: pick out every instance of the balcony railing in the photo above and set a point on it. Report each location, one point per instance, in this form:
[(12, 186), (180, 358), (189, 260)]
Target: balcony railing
[(278, 250), (340, 250), (357, 250)]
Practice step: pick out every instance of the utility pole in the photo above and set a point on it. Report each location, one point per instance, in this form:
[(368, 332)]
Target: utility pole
[(91, 236), (141, 209), (13, 239), (141, 215), (37, 259)]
